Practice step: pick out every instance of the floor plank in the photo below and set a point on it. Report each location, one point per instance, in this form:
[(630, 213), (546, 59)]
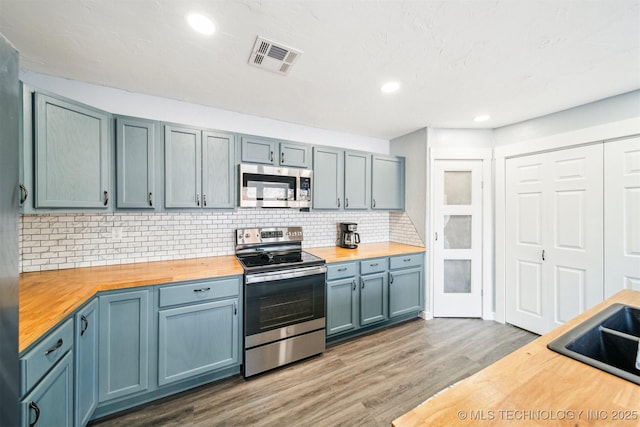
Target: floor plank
[(366, 381)]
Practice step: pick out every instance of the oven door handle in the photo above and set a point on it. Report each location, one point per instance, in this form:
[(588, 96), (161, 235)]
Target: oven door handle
[(273, 276)]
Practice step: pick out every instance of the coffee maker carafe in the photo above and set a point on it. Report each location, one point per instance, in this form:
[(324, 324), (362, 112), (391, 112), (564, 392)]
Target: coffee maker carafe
[(348, 236)]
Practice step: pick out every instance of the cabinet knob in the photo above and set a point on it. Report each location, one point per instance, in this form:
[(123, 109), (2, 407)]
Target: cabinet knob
[(85, 324), (33, 405), (24, 194)]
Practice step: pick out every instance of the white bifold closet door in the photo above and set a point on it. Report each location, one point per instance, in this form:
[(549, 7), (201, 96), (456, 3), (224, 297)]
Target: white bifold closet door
[(622, 215), (554, 236)]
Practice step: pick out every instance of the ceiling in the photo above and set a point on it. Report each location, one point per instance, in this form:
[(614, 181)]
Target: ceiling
[(456, 59)]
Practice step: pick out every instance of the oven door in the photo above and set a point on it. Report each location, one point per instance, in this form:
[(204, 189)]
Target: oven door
[(281, 304)]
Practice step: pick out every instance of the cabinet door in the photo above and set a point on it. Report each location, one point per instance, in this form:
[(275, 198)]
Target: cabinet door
[(405, 294), (342, 305), (374, 298), (71, 155), (257, 150), (135, 163), (196, 339), (183, 170), (327, 170), (86, 366), (357, 180), (124, 344), (387, 186), (218, 183), (297, 155), (51, 401)]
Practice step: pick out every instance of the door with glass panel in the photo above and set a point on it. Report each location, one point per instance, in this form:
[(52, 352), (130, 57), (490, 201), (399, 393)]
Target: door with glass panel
[(457, 267)]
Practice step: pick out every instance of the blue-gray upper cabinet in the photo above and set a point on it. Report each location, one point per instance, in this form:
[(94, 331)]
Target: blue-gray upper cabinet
[(86, 366), (198, 168), (388, 183), (72, 154), (328, 166), (357, 180), (123, 367), (51, 401), (271, 152), (135, 163)]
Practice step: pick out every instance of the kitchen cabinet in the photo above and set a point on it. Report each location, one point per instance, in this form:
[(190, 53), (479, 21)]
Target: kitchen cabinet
[(86, 363), (270, 152), (51, 401), (198, 168), (344, 177), (72, 154), (342, 297), (202, 336), (135, 163), (387, 182), (124, 344), (46, 374), (374, 291), (405, 284)]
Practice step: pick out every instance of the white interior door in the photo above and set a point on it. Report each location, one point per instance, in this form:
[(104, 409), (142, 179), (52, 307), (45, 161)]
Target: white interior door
[(554, 232), (622, 215), (457, 267)]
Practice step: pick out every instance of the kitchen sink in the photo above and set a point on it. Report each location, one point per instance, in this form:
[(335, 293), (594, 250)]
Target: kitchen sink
[(610, 341)]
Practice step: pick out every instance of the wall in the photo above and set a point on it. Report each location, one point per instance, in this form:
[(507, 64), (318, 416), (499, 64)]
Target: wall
[(118, 101), (411, 226), (57, 241)]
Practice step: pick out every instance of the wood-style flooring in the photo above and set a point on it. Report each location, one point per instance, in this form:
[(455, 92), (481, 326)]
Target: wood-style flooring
[(366, 381)]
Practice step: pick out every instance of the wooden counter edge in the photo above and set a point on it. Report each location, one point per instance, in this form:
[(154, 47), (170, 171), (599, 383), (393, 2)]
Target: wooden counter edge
[(419, 416)]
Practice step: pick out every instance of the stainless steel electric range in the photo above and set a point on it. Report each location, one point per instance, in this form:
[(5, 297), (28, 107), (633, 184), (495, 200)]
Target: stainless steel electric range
[(284, 298)]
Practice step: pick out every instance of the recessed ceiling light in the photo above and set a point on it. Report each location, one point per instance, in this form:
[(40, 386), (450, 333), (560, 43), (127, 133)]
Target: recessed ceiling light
[(482, 118), (201, 23), (390, 87)]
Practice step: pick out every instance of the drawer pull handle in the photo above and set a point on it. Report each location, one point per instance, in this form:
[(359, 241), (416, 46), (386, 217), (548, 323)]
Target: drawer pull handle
[(85, 324), (54, 348), (406, 260), (342, 269), (282, 157), (33, 405), (373, 265), (271, 157), (202, 290)]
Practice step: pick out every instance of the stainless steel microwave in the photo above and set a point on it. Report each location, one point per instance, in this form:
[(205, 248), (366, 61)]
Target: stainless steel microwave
[(274, 187)]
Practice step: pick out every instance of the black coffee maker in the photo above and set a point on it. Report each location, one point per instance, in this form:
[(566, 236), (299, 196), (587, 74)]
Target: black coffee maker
[(348, 237)]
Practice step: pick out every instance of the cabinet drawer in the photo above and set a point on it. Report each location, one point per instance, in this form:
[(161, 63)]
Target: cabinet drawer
[(339, 271), (373, 265), (45, 355), (405, 261), (199, 291)]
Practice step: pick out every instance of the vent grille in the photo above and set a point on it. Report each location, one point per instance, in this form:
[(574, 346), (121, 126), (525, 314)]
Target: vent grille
[(273, 56)]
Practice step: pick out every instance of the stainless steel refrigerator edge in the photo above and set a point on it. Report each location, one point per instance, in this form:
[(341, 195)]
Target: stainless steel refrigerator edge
[(9, 140)]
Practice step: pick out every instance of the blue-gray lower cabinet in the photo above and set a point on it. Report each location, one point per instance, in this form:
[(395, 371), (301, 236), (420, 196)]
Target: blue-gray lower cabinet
[(405, 291), (50, 403), (197, 339), (374, 297), (342, 305), (124, 344), (86, 365)]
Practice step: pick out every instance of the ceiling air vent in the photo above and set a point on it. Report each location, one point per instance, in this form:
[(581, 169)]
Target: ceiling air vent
[(273, 56)]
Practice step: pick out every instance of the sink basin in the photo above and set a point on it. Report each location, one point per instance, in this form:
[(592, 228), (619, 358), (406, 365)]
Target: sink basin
[(609, 341)]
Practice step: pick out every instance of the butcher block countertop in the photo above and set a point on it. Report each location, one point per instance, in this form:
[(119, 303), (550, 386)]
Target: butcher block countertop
[(535, 386), (48, 297), (366, 250)]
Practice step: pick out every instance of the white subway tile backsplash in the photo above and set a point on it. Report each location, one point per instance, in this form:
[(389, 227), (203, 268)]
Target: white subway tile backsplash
[(58, 241)]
